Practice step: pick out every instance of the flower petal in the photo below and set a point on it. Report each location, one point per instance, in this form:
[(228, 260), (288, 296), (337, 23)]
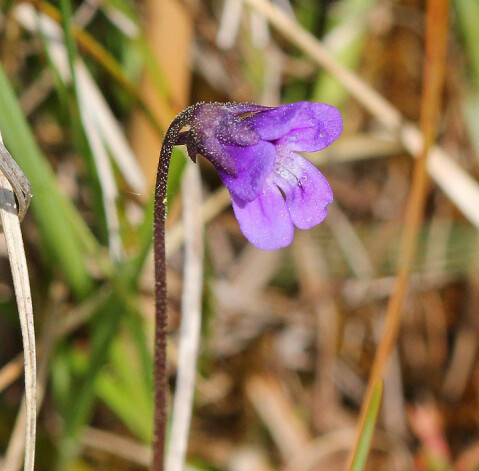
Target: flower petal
[(214, 120), (301, 126), (306, 190), (274, 123), (315, 127), (254, 164), (265, 221), (211, 149)]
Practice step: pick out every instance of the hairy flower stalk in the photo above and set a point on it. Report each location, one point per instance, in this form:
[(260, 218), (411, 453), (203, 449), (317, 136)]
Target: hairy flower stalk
[(273, 189), (160, 383)]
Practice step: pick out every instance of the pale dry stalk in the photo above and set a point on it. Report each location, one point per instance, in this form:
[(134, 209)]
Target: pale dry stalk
[(16, 253)]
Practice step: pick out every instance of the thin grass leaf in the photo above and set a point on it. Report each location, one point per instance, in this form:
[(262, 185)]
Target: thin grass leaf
[(361, 453), (66, 17), (88, 138), (119, 391), (468, 17), (82, 396), (104, 172), (101, 172), (98, 110), (145, 232), (63, 232), (346, 40)]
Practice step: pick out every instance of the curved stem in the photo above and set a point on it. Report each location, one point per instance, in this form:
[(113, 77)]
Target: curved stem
[(160, 382)]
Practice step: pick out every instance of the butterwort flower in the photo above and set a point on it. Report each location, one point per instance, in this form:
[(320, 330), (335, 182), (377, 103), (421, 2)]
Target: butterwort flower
[(254, 149), (273, 189)]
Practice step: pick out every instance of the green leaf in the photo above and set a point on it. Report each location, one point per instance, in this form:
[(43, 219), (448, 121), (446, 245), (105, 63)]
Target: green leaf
[(468, 19), (64, 234), (346, 40), (362, 451), (125, 383), (104, 328), (133, 268), (70, 44), (6, 5), (77, 118)]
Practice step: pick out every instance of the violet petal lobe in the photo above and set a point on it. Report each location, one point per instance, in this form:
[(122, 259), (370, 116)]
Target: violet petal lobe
[(302, 126), (265, 221), (254, 164), (314, 127), (306, 190), (274, 123)]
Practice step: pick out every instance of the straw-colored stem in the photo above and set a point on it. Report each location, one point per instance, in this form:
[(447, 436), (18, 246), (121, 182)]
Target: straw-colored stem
[(433, 79), (18, 263)]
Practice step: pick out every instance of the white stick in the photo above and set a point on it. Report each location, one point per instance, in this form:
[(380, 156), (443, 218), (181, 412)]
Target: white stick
[(21, 283)]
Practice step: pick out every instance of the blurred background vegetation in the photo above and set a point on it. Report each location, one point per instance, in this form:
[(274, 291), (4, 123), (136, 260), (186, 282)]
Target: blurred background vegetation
[(86, 91)]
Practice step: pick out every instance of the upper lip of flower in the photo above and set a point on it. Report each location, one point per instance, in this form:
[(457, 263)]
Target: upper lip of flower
[(214, 128)]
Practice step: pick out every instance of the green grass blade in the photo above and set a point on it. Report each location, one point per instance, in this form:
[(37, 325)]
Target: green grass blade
[(81, 400), (347, 40), (138, 419), (6, 6), (362, 451), (64, 234), (125, 383), (83, 129), (66, 10), (133, 269), (468, 17)]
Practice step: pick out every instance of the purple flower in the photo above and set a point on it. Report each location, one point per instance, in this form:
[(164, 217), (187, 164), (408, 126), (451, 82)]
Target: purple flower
[(254, 149)]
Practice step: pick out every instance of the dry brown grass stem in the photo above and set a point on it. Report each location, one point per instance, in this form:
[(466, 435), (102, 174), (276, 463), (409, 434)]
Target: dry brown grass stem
[(116, 445), (433, 78)]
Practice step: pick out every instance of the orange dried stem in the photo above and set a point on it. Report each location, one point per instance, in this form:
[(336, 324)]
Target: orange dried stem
[(433, 80)]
